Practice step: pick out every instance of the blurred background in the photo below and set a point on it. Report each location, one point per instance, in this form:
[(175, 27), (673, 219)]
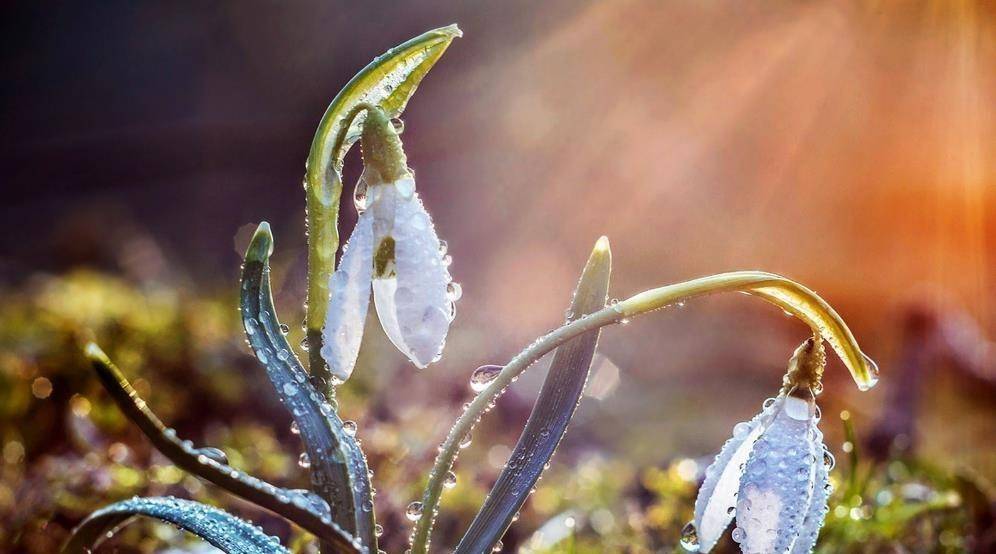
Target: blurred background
[(847, 145)]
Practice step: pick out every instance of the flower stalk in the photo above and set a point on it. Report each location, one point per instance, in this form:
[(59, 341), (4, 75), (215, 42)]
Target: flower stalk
[(785, 293)]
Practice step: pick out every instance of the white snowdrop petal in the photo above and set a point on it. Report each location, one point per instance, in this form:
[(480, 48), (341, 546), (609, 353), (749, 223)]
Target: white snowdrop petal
[(717, 496), (817, 511), (423, 307), (349, 298), (777, 484)]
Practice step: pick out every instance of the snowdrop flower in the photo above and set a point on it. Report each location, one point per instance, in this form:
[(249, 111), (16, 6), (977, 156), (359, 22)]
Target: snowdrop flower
[(393, 249), (772, 475)]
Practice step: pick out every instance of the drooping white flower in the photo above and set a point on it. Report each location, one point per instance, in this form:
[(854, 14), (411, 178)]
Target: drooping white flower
[(395, 250), (773, 476)]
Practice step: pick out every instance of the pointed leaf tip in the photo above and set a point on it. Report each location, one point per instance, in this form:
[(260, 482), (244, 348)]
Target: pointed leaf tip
[(94, 353), (602, 245), (261, 246)]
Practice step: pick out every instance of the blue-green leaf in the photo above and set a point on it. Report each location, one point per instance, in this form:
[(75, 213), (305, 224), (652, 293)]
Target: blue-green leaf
[(215, 526), (339, 472), (312, 514), (551, 413)]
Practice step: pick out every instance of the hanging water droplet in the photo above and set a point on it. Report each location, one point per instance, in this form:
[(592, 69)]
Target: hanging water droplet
[(284, 329), (454, 291), (498, 546), (450, 481), (828, 459), (483, 376), (738, 535), (294, 429), (349, 426), (414, 511), (303, 460), (360, 195), (690, 537)]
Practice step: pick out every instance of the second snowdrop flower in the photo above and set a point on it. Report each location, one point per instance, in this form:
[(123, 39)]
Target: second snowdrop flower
[(395, 250), (772, 475)]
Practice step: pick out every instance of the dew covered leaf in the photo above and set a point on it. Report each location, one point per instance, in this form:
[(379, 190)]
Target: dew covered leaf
[(209, 463), (387, 82), (338, 467), (217, 527), (551, 413)]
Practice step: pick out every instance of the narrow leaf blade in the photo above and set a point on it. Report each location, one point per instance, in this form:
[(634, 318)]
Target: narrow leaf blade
[(219, 528), (551, 413), (339, 472), (188, 458)]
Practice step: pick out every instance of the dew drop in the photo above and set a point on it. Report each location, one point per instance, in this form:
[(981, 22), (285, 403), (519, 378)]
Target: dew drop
[(450, 481), (360, 195), (483, 376), (349, 426), (284, 329), (304, 344), (739, 535), (378, 530), (466, 440), (290, 389), (690, 537), (741, 430), (215, 454), (454, 291), (828, 459), (303, 460), (414, 511), (294, 429)]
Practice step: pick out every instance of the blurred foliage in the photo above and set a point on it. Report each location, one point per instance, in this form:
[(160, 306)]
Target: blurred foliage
[(67, 450)]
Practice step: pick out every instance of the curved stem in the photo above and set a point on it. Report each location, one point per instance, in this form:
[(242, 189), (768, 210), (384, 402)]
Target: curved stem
[(789, 295)]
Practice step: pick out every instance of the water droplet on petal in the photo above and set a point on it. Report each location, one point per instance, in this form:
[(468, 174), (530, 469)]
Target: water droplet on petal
[(690, 537), (454, 291), (739, 535)]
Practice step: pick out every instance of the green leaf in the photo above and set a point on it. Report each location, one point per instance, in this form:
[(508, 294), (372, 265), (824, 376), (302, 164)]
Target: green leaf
[(199, 463), (388, 82), (339, 471), (221, 529), (551, 413)]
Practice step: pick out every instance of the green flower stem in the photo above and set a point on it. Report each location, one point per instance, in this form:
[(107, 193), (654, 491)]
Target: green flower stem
[(789, 295), (238, 483)]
